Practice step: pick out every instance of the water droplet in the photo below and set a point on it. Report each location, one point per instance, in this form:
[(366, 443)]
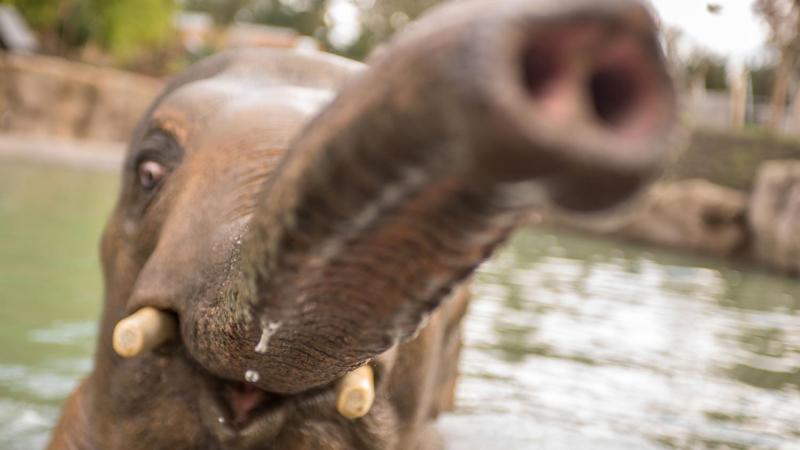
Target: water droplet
[(251, 376), (266, 333)]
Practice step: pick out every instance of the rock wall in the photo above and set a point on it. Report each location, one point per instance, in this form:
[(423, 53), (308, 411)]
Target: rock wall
[(45, 96)]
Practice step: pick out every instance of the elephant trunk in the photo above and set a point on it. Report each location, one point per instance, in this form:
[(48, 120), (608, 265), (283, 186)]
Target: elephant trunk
[(421, 166)]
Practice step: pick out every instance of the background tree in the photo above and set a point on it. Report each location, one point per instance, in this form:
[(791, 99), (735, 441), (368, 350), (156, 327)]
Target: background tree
[(376, 21), (672, 37), (123, 28), (380, 19), (222, 11), (307, 17), (783, 19), (695, 66), (127, 27), (710, 68), (40, 14), (762, 78)]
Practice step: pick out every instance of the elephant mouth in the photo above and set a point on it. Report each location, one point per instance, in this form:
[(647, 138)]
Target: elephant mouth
[(239, 414), (242, 416), (245, 402)]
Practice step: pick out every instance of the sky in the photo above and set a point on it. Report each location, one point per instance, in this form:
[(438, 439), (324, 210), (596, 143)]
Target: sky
[(734, 32)]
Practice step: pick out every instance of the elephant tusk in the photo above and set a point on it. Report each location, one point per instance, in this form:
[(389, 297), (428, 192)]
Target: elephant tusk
[(355, 393), (143, 331)]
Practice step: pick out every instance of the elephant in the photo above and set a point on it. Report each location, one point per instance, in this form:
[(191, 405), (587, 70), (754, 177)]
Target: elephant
[(298, 216)]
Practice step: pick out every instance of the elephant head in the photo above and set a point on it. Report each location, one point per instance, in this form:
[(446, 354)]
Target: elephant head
[(294, 236)]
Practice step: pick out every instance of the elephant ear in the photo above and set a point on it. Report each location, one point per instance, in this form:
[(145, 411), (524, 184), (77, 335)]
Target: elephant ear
[(415, 173)]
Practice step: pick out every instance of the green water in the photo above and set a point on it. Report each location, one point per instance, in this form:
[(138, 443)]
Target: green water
[(572, 343), (50, 291)]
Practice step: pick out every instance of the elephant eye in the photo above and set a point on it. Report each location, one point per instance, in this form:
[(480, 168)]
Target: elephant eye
[(150, 173)]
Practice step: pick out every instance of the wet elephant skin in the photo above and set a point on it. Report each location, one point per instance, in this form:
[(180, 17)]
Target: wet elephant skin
[(302, 215)]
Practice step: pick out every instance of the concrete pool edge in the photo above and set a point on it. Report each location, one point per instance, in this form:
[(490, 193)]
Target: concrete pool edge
[(92, 155)]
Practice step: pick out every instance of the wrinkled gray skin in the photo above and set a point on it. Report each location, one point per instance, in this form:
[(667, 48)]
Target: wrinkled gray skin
[(330, 234)]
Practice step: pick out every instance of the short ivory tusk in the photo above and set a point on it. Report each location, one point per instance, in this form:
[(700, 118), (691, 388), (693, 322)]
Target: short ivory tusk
[(143, 331), (355, 393)]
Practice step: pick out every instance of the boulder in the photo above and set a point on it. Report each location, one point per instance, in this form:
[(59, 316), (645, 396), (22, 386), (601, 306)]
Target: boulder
[(694, 215), (774, 215)]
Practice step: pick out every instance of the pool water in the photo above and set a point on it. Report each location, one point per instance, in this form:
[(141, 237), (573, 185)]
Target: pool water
[(50, 291), (571, 342)]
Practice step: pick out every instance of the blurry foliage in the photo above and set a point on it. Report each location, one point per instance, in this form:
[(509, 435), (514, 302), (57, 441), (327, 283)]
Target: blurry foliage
[(383, 18), (709, 67), (127, 29), (223, 11), (377, 19), (700, 65), (717, 75), (38, 13), (138, 33), (73, 27), (307, 17), (123, 28), (761, 78)]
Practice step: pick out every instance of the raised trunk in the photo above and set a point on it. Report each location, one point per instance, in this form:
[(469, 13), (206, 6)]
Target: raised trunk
[(421, 167)]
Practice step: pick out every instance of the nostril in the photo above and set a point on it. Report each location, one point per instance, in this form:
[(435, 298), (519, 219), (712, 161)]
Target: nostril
[(614, 94), (541, 67)]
